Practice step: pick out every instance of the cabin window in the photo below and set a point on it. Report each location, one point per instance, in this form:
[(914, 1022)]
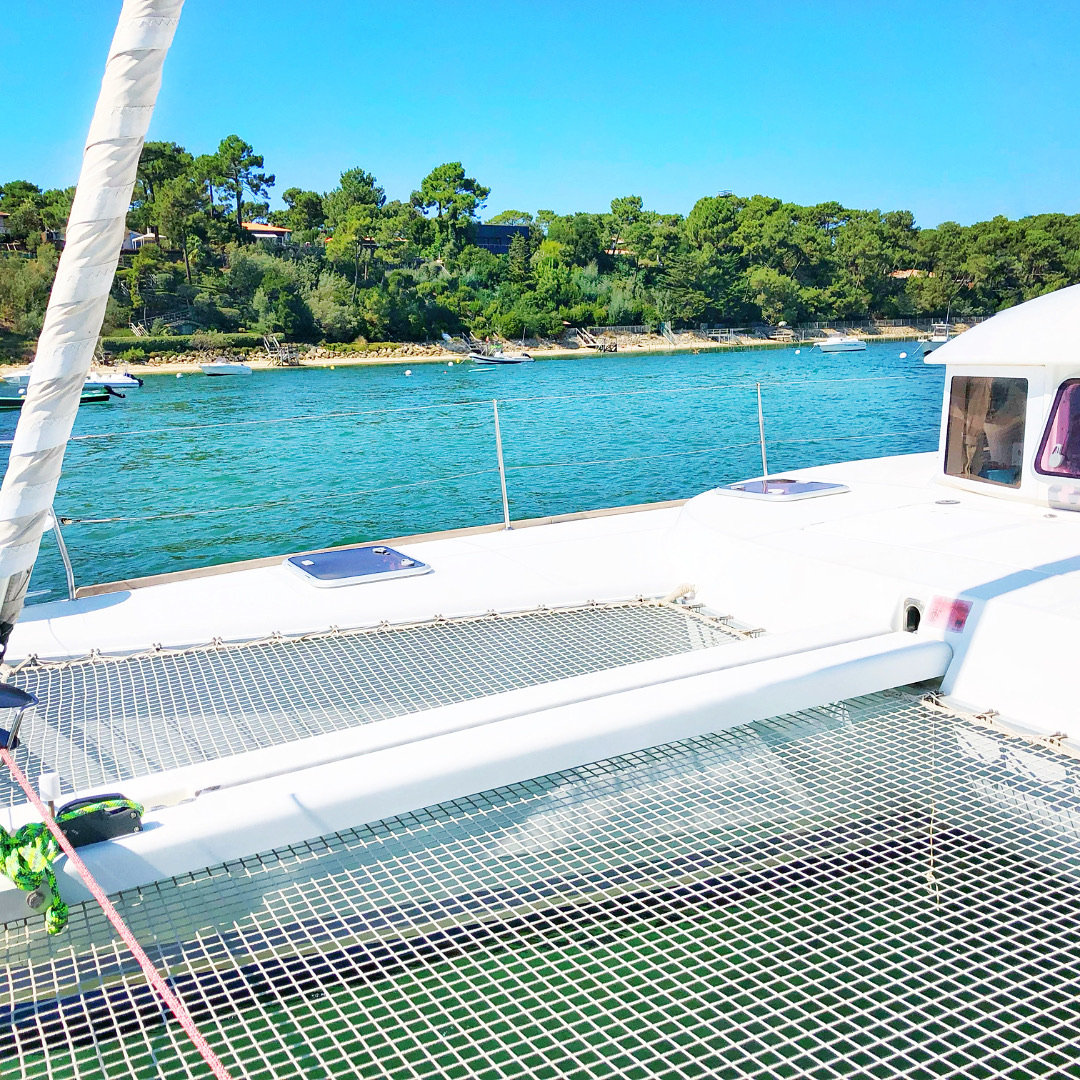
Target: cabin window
[(1059, 454), (985, 436)]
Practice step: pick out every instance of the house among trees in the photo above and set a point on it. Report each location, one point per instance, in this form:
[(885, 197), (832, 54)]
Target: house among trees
[(3, 223), (276, 234), (496, 238), (135, 241)]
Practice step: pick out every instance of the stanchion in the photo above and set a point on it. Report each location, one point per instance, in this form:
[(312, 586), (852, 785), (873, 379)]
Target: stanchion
[(502, 468), (761, 436)]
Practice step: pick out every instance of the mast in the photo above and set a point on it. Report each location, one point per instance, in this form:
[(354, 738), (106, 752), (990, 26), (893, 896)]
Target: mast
[(84, 277)]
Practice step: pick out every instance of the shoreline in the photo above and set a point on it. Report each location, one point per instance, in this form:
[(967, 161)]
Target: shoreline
[(191, 367)]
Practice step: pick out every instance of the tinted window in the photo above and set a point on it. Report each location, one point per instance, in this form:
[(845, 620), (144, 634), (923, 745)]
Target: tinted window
[(985, 437), (1059, 454)]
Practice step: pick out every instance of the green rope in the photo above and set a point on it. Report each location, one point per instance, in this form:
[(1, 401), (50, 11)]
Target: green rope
[(93, 807), (26, 859)]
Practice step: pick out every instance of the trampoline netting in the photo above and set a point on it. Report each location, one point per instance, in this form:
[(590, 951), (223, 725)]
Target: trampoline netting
[(872, 888), (104, 720)]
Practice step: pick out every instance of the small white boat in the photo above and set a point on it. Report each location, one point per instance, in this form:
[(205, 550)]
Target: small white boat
[(500, 358), (120, 380), (95, 380), (938, 338), (225, 367), (841, 343)]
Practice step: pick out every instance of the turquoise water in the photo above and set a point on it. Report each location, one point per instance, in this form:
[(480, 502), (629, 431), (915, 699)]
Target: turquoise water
[(210, 470)]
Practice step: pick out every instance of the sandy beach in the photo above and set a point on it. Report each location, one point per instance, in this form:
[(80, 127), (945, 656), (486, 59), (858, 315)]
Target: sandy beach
[(409, 353)]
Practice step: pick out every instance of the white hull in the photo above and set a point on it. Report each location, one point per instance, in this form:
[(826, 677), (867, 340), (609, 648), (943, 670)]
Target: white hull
[(833, 580), (225, 367), (842, 345), (95, 380), (500, 358)]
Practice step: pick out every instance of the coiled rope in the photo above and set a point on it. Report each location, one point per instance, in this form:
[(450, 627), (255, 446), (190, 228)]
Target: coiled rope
[(26, 858)]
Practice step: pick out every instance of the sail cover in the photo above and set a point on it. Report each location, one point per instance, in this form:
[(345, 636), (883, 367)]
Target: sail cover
[(84, 276)]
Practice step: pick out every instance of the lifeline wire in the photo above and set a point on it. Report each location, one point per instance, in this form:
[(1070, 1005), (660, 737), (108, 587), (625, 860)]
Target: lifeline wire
[(302, 417), (712, 449), (153, 976), (292, 500)]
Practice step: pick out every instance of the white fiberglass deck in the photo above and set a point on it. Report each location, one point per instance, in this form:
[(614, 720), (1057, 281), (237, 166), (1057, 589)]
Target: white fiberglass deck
[(850, 561), (874, 888), (104, 721)]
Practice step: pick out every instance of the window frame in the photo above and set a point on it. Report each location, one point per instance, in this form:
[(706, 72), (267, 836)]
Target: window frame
[(974, 479), (1065, 385)]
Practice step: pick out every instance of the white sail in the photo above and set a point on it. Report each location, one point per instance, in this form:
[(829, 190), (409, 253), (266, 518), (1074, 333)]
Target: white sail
[(84, 276)]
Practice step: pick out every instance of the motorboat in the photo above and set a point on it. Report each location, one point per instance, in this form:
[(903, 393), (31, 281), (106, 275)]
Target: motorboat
[(121, 380), (500, 357), (95, 380), (225, 367), (779, 779), (87, 397), (938, 337), (836, 343)]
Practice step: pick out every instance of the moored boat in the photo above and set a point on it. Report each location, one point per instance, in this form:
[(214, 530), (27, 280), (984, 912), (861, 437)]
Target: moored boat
[(225, 367), (95, 380), (939, 336), (500, 357), (836, 343), (122, 380), (87, 397)]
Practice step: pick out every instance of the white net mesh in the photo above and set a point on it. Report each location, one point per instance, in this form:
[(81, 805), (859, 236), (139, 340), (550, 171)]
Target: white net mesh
[(868, 889), (104, 721)]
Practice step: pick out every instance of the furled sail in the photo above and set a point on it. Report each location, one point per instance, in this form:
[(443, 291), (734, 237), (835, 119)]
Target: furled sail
[(84, 276)]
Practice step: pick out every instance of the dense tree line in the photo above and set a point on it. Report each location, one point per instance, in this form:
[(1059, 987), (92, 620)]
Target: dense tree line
[(360, 265)]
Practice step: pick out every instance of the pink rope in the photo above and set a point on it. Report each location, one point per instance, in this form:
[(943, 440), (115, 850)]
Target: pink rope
[(176, 1006)]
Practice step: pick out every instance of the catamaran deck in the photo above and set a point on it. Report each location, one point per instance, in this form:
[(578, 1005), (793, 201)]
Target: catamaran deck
[(873, 888), (847, 560)]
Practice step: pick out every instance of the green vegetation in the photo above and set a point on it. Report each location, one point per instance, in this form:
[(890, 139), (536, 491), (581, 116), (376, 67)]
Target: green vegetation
[(211, 340), (359, 266)]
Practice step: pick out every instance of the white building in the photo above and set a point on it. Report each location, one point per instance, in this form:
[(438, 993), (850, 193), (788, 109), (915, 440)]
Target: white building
[(134, 241)]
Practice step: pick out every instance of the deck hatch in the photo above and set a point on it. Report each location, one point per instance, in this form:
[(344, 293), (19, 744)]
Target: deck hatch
[(871, 888), (104, 721)]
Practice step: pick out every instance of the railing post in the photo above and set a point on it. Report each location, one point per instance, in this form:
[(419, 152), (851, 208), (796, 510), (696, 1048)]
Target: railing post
[(63, 554), (502, 468), (761, 435)]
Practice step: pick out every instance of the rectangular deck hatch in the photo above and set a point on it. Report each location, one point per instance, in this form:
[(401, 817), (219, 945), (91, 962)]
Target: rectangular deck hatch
[(354, 566), (781, 489)]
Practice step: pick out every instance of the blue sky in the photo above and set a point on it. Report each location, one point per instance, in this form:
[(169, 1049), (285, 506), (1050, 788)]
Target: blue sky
[(953, 110)]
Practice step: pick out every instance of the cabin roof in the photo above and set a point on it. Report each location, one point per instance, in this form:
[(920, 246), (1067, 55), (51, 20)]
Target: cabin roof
[(1034, 334)]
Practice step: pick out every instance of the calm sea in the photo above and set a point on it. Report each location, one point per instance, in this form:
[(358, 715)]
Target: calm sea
[(205, 470)]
